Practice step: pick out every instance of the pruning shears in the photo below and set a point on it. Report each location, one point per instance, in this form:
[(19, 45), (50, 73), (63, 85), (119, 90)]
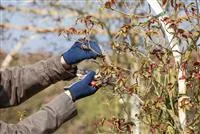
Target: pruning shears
[(98, 81), (95, 83)]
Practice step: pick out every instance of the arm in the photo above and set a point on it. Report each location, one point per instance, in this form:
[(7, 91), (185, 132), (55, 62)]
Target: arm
[(20, 83), (45, 121), (55, 113)]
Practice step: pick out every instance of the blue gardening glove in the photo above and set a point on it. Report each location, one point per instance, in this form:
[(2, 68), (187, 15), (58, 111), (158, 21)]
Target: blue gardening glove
[(83, 88), (77, 52)]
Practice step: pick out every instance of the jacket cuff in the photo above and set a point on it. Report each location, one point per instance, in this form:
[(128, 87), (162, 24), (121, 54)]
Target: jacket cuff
[(67, 72), (64, 108)]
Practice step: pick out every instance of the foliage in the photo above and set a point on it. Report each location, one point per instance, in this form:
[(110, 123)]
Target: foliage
[(154, 77), (140, 64)]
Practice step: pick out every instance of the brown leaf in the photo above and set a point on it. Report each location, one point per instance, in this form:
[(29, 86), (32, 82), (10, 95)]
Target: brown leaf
[(164, 2), (173, 26), (186, 34), (180, 31), (108, 5), (113, 1), (165, 19), (172, 3)]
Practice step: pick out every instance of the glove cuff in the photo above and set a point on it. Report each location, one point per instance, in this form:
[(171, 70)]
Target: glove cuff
[(73, 96), (67, 57), (70, 93)]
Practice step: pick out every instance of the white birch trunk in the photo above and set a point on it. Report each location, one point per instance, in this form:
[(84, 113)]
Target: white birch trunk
[(136, 104), (174, 44)]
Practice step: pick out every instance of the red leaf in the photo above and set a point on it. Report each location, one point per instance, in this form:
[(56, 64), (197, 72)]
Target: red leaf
[(183, 66), (197, 63), (197, 76), (182, 78)]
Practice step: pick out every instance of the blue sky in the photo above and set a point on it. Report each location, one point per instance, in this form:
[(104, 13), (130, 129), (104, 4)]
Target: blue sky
[(43, 42)]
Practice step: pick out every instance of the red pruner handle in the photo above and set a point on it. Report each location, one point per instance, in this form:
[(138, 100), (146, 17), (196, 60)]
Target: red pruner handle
[(93, 84), (96, 84)]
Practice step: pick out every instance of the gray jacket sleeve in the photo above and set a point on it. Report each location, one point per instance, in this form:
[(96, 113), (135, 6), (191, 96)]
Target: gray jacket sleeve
[(45, 121), (20, 83)]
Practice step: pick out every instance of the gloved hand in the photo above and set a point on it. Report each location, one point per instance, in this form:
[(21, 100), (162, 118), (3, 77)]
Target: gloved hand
[(77, 53), (83, 88)]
